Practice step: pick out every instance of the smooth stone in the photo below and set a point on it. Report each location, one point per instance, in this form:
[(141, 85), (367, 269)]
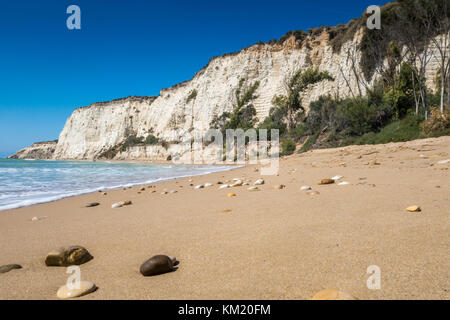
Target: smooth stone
[(125, 203), (443, 161), (173, 191), (332, 294), (337, 177), (219, 182), (279, 186), (258, 182), (9, 267), (157, 265), (142, 189), (153, 191), (164, 192), (116, 205), (238, 183), (38, 218), (343, 183), (326, 181), (254, 188), (208, 184), (414, 209), (224, 186), (68, 256), (226, 211), (246, 184), (305, 188), (312, 193), (231, 195), (374, 163), (92, 204), (200, 186), (104, 193), (86, 287)]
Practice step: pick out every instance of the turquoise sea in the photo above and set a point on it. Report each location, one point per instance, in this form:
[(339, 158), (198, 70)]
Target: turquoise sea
[(27, 182)]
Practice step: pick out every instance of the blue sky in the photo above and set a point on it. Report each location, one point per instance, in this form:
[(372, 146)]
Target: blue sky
[(132, 47)]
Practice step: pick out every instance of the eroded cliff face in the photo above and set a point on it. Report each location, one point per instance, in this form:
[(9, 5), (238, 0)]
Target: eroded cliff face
[(92, 131), (97, 131), (38, 150)]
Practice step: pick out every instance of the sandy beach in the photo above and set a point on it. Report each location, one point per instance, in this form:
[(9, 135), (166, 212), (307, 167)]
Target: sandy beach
[(273, 244)]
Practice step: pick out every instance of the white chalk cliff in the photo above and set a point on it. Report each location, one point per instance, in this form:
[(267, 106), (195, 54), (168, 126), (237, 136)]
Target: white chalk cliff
[(90, 132)]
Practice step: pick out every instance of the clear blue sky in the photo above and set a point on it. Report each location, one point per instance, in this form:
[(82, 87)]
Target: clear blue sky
[(126, 48)]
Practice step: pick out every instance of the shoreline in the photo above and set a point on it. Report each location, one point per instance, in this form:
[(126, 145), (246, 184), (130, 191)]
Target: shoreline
[(128, 185), (270, 244)]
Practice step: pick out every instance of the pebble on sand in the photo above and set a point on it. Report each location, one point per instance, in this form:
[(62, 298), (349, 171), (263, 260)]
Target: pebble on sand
[(224, 186), (208, 184), (9, 267), (173, 191), (414, 209), (337, 178), (312, 193), (279, 186), (326, 181), (343, 183), (85, 287), (332, 294), (68, 256), (226, 211), (254, 188), (237, 183), (157, 265), (305, 188), (116, 205), (443, 161), (38, 218), (231, 194), (92, 204), (142, 189), (258, 182), (125, 203), (200, 186)]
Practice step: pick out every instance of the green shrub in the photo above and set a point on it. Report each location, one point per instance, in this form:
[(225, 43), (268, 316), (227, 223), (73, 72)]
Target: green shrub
[(191, 96), (151, 139), (287, 147), (309, 142)]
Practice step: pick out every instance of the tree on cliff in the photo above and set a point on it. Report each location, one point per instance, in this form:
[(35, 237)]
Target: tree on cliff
[(290, 104)]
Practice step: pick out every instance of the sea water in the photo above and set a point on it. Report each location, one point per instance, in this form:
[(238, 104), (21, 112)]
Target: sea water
[(28, 182)]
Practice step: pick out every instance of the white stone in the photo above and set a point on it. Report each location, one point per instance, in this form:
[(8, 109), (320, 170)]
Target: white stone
[(116, 205), (305, 188), (84, 288), (258, 182)]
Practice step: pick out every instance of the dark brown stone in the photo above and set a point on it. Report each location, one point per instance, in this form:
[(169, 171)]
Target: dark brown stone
[(9, 267), (157, 265)]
